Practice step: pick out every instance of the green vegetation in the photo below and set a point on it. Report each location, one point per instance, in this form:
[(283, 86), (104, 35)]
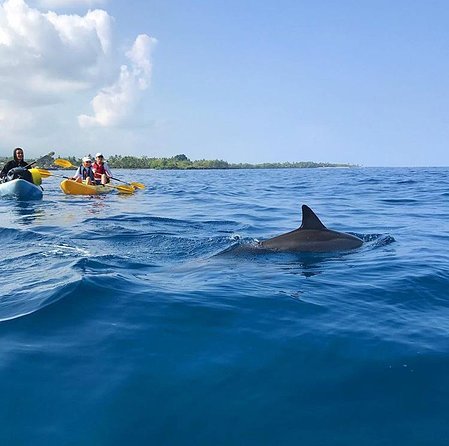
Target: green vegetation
[(180, 162), (184, 163)]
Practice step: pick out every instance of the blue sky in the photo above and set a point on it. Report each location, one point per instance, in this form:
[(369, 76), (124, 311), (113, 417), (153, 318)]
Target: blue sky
[(363, 82)]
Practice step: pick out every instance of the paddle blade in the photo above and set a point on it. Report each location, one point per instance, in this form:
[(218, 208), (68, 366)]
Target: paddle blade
[(63, 163), (137, 185), (125, 189), (44, 173)]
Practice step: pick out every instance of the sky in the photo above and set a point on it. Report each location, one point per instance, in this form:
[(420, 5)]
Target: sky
[(361, 82)]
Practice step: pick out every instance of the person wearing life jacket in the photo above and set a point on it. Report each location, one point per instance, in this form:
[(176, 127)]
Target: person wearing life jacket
[(102, 172), (85, 173), (18, 161)]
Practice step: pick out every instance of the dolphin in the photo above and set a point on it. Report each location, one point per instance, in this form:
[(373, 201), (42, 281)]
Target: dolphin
[(311, 236)]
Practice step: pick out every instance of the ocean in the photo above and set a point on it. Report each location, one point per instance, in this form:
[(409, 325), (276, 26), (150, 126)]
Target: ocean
[(133, 319)]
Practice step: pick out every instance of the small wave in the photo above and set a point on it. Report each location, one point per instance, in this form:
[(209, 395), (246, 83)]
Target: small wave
[(132, 218), (370, 181), (24, 300), (10, 236), (399, 201), (109, 264)]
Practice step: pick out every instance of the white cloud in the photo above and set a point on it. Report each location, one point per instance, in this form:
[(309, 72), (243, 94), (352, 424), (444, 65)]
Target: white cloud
[(56, 4), (46, 55), (113, 104), (14, 119), (48, 59), (76, 32)]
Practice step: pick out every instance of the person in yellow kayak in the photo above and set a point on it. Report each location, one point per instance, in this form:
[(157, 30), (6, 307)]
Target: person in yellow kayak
[(17, 161), (85, 173), (102, 172)]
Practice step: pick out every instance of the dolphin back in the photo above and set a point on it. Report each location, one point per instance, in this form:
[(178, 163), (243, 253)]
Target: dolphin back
[(312, 236)]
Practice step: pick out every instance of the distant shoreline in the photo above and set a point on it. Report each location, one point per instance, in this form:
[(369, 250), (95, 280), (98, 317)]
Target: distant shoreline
[(255, 167), (181, 162)]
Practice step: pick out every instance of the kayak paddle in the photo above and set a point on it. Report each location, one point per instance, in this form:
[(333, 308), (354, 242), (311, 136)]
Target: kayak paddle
[(133, 183), (64, 163), (41, 158)]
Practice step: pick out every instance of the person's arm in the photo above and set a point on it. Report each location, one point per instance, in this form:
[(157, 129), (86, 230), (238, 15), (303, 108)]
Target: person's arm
[(107, 170), (6, 169), (77, 174), (3, 172)]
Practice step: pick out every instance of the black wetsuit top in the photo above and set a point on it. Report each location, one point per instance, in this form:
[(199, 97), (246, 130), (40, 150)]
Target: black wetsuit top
[(10, 165)]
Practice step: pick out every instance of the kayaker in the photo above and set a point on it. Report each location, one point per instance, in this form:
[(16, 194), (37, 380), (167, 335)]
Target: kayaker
[(18, 161), (85, 172), (102, 172)]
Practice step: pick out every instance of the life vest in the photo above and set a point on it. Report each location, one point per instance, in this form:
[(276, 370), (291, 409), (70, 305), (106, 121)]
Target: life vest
[(98, 170), (86, 172)]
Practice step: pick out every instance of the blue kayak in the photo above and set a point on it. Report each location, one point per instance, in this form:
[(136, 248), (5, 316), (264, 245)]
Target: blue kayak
[(20, 189)]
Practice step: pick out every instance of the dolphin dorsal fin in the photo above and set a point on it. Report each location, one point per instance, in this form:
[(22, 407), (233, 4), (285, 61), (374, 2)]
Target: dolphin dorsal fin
[(310, 220)]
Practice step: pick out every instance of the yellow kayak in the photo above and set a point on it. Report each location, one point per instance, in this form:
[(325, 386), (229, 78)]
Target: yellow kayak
[(72, 187)]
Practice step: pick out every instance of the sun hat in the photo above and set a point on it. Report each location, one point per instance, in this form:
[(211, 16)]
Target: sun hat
[(86, 158), (99, 154)]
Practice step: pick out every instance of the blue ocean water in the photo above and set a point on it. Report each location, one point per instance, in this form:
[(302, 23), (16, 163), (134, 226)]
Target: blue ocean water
[(132, 319)]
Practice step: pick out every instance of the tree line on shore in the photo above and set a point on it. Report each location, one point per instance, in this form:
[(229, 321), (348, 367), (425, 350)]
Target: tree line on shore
[(181, 162)]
